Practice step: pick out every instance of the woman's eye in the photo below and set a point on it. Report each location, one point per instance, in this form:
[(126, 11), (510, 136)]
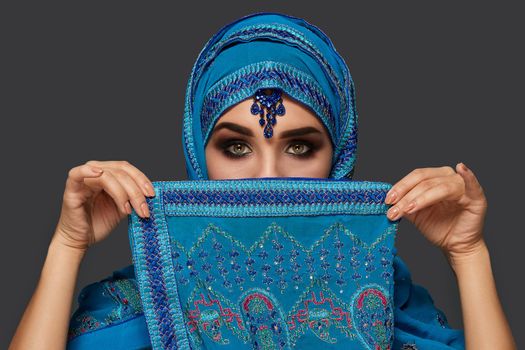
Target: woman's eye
[(299, 149), (237, 149)]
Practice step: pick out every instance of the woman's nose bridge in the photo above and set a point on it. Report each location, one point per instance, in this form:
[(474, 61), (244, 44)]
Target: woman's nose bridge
[(267, 166)]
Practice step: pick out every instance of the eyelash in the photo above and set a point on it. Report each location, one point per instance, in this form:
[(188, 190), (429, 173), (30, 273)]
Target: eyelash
[(303, 155)]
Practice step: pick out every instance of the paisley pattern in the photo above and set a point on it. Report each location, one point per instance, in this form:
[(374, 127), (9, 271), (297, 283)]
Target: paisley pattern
[(373, 317), (264, 320), (267, 278)]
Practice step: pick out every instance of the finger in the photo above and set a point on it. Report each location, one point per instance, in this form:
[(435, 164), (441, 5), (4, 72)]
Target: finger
[(76, 176), (113, 188), (473, 188), (428, 193), (403, 186), (142, 180), (135, 193)]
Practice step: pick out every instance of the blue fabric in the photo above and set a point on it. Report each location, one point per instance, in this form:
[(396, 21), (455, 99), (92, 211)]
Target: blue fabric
[(260, 50), (272, 263)]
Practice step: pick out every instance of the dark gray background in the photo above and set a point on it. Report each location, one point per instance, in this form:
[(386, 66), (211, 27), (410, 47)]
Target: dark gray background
[(436, 84)]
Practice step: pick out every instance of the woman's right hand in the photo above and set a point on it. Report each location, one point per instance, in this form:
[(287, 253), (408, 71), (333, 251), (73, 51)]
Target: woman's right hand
[(95, 202)]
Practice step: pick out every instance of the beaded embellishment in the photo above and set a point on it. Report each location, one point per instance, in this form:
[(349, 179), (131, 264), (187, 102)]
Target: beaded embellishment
[(266, 264), (272, 101)]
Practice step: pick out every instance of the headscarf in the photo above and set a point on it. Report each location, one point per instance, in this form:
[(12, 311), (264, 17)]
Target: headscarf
[(262, 50), (270, 50)]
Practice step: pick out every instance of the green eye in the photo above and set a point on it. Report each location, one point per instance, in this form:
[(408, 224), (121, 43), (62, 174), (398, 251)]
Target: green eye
[(299, 149), (236, 149)]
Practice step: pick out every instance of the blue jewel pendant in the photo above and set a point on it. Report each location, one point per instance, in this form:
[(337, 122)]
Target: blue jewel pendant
[(270, 100)]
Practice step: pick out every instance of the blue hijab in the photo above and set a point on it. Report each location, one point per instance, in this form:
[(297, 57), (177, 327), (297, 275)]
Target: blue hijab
[(262, 50)]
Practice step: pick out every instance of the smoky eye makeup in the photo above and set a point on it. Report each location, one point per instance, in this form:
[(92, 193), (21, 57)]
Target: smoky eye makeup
[(235, 148)]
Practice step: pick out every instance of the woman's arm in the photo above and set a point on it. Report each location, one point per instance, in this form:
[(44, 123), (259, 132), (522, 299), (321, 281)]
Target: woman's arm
[(449, 206), (97, 196), (45, 321), (484, 321)]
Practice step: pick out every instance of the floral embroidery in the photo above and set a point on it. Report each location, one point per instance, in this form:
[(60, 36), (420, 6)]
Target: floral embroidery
[(217, 262), (264, 320), (374, 317), (318, 314), (86, 323), (127, 304)]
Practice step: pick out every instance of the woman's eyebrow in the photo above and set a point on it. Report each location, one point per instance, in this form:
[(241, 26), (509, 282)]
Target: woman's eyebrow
[(299, 132), (234, 127), (248, 132)]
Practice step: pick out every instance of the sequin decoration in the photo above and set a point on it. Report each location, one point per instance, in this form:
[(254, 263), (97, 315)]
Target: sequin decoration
[(270, 100)]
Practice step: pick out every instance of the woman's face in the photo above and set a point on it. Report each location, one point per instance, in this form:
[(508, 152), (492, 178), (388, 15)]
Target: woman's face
[(300, 145)]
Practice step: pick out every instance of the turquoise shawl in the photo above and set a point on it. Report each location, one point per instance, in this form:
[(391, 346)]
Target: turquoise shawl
[(262, 50)]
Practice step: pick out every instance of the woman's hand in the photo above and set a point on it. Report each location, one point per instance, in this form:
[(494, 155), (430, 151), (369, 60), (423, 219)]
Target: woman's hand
[(97, 196), (448, 207)]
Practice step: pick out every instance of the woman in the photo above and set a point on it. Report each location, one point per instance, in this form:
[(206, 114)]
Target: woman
[(283, 65)]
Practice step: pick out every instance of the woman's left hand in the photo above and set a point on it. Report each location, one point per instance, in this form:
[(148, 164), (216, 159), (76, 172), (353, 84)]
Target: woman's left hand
[(448, 207)]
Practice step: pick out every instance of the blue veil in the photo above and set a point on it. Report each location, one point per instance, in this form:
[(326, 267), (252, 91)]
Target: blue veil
[(262, 50)]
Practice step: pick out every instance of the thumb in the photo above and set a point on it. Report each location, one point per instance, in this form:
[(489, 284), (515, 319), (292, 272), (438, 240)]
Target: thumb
[(473, 188)]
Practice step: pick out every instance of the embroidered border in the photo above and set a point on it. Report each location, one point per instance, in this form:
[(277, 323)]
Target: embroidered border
[(253, 197), (243, 83), (157, 285)]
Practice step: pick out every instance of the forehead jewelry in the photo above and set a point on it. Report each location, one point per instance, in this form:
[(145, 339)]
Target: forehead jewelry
[(270, 100)]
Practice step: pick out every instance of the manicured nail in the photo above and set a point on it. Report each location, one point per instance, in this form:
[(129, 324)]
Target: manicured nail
[(390, 197), (149, 189), (96, 170), (392, 212), (144, 208)]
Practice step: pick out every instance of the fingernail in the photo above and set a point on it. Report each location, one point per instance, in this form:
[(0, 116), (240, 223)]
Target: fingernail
[(390, 197), (96, 170), (464, 167), (128, 207), (144, 208), (392, 212), (149, 189)]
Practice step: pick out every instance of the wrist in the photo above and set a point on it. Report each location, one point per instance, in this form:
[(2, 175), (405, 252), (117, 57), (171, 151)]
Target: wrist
[(472, 256), (58, 247)]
